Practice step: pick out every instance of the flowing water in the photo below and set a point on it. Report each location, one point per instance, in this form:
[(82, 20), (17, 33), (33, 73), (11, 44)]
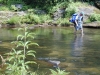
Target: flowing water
[(59, 47)]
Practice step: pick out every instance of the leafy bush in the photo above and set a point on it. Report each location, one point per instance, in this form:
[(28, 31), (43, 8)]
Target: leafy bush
[(13, 7), (94, 17), (26, 7), (36, 19), (30, 19), (4, 8), (14, 20), (71, 9), (63, 22), (44, 18), (58, 5)]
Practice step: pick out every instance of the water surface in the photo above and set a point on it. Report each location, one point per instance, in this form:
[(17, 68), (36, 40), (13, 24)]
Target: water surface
[(77, 54)]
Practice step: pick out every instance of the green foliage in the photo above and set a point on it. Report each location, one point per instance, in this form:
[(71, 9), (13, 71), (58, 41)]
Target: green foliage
[(87, 21), (4, 8), (10, 2), (63, 22), (72, 8), (58, 72), (13, 7), (30, 10), (31, 18), (14, 20), (17, 65), (10, 5), (26, 7), (94, 17), (57, 6), (44, 18)]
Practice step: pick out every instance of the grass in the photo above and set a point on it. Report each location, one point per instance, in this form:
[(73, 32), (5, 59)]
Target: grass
[(14, 20), (94, 17), (4, 8), (63, 22)]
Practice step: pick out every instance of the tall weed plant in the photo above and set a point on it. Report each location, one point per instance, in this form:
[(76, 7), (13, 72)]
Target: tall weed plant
[(58, 71), (17, 64)]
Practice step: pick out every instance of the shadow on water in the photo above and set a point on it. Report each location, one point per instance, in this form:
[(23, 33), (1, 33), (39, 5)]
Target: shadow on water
[(59, 47)]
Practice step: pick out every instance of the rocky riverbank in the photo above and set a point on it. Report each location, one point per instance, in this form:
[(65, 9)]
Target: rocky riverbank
[(6, 15), (95, 24)]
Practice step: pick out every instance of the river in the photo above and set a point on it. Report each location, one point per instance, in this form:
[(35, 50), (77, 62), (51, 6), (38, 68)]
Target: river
[(59, 47)]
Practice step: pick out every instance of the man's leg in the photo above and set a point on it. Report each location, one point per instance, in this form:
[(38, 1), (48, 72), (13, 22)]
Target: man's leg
[(75, 28), (82, 31)]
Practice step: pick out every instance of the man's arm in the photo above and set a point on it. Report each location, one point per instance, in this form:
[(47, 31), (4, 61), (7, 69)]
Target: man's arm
[(76, 20)]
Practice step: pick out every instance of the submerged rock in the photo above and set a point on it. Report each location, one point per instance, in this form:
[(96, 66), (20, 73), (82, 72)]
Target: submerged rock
[(54, 62)]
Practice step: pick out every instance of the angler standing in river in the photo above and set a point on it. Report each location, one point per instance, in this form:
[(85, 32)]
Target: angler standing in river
[(77, 20)]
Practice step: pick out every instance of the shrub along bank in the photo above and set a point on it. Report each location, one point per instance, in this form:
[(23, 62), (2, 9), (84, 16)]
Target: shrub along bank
[(58, 14)]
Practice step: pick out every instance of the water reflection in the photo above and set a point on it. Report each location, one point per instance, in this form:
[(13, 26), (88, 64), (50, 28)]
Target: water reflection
[(82, 52), (77, 55), (77, 45)]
